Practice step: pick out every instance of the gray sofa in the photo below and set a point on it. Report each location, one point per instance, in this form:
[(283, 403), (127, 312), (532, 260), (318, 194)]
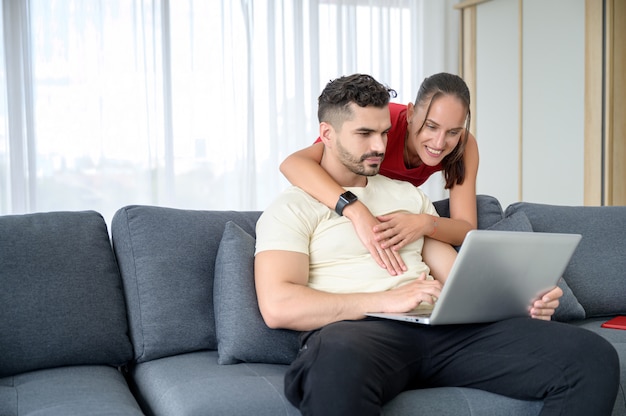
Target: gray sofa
[(164, 321)]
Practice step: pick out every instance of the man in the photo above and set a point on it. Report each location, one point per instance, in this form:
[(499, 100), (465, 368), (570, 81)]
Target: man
[(313, 275)]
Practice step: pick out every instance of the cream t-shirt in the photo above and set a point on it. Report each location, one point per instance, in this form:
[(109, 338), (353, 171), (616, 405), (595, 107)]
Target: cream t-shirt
[(339, 262)]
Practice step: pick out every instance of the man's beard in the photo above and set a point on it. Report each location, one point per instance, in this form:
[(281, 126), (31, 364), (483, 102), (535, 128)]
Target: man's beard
[(356, 164)]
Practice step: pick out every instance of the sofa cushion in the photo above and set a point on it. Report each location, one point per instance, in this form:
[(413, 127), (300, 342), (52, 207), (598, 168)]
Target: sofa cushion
[(617, 337), (188, 384), (596, 272), (169, 254), (516, 222), (68, 391), (195, 384), (241, 332), (488, 209), (61, 299), (457, 401), (569, 308)]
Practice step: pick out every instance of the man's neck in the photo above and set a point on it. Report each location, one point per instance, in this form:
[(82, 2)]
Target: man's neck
[(342, 175)]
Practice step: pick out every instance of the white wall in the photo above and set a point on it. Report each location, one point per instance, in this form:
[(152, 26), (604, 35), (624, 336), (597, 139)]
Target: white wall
[(497, 99), (552, 100)]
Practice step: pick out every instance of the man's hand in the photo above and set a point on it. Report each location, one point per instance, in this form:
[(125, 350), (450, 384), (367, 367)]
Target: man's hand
[(544, 308), (364, 222), (408, 297)]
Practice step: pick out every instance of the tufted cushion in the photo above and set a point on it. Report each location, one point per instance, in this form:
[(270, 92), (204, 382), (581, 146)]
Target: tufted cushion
[(61, 300), (569, 308), (596, 272), (241, 332)]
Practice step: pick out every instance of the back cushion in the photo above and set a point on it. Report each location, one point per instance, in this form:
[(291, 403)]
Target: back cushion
[(167, 260), (596, 273), (61, 300), (488, 210)]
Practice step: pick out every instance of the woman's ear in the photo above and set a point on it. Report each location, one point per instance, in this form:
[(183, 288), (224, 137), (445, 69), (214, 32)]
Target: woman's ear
[(410, 111)]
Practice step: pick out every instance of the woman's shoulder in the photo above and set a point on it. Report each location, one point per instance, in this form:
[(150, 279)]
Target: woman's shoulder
[(397, 113)]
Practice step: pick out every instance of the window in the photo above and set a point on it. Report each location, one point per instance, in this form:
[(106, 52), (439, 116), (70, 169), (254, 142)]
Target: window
[(187, 103)]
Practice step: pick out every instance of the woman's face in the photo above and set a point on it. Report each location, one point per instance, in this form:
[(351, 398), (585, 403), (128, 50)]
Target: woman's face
[(441, 132)]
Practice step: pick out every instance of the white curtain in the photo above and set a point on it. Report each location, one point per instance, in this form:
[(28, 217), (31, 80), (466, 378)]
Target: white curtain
[(189, 103)]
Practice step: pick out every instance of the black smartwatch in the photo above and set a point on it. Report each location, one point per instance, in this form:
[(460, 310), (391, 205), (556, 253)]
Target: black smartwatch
[(345, 199)]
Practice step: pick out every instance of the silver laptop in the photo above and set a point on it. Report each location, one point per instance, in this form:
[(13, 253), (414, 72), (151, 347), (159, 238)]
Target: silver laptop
[(496, 276)]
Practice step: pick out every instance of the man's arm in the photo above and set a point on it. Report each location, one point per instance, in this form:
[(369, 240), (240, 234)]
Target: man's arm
[(286, 301)]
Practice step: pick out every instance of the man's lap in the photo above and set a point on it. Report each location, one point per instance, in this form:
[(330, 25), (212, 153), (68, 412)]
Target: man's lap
[(511, 357)]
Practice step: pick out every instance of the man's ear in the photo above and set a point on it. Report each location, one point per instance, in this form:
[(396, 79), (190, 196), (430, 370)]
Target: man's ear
[(327, 133)]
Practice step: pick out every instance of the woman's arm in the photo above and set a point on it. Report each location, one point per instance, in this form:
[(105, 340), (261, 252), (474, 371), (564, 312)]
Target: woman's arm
[(399, 229), (463, 215), (303, 170)]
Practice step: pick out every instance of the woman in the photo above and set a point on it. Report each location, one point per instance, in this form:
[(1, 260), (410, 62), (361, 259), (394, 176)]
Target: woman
[(427, 136)]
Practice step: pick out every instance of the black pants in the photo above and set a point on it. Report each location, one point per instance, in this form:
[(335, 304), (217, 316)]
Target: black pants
[(354, 367)]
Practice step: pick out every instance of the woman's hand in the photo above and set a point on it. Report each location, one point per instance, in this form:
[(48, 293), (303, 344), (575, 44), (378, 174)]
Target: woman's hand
[(401, 228), (364, 223)]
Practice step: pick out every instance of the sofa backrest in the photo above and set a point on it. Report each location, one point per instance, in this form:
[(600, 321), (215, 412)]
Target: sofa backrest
[(167, 260), (61, 300), (488, 210), (596, 273)]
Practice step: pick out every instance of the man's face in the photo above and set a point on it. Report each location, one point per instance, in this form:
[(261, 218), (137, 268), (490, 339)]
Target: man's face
[(361, 141)]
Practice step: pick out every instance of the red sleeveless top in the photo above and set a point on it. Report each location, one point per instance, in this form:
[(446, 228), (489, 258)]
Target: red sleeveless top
[(393, 165)]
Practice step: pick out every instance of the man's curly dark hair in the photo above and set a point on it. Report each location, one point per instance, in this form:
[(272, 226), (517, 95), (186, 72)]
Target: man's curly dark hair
[(363, 90)]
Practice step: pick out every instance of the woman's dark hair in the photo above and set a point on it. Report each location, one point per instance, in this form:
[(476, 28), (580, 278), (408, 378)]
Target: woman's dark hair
[(432, 88), (364, 90)]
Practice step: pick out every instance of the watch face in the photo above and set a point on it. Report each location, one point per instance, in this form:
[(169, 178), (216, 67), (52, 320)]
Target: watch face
[(345, 199), (348, 197)]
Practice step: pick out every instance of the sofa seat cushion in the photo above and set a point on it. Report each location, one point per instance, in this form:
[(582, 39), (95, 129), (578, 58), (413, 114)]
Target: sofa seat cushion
[(68, 391), (458, 401), (188, 384), (617, 337), (61, 298), (596, 273)]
